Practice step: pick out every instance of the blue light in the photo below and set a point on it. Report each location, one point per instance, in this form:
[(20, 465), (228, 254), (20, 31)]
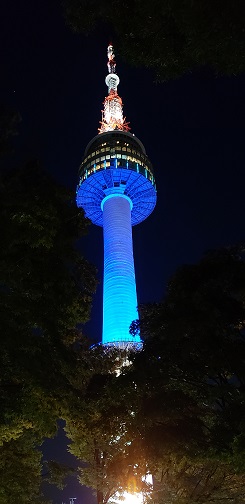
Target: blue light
[(117, 194), (119, 290), (141, 191)]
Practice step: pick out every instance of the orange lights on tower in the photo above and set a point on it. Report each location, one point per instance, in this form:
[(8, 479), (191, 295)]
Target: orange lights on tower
[(112, 114)]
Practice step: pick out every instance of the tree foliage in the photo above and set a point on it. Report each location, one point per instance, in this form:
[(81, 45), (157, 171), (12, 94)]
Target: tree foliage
[(185, 481), (195, 353), (57, 473), (178, 410), (46, 290), (172, 37), (101, 432), (21, 471), (191, 378)]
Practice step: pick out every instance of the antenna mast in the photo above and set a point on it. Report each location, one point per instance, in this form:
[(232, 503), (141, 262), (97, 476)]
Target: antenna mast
[(112, 114)]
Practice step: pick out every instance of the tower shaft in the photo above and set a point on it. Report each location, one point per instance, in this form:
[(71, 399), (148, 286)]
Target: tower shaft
[(119, 289)]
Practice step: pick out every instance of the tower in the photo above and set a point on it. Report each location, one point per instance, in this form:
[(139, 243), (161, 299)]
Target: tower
[(117, 190)]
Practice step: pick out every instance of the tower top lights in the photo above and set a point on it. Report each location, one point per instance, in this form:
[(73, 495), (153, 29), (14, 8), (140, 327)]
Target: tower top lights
[(112, 114)]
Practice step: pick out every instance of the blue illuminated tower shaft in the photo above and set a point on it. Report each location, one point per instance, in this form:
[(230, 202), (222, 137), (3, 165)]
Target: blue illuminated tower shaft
[(119, 291)]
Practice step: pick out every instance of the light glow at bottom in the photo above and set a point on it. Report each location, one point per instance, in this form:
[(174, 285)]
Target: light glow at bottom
[(134, 497), (128, 498)]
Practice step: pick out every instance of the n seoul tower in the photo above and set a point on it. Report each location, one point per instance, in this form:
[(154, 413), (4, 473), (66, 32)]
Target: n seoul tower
[(117, 190)]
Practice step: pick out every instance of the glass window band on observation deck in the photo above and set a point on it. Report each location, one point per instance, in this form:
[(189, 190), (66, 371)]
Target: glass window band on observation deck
[(119, 149), (113, 162), (113, 153)]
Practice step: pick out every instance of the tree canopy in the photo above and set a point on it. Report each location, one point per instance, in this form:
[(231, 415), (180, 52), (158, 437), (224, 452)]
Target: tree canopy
[(103, 435), (45, 293), (190, 376), (173, 37), (178, 410)]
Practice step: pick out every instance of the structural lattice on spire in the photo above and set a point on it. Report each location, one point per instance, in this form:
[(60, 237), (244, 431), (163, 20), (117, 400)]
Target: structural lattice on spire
[(112, 114)]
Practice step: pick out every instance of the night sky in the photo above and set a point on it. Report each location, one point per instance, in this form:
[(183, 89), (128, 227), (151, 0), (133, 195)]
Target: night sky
[(192, 129)]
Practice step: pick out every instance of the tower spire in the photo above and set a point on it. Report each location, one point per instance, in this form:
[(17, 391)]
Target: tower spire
[(112, 114)]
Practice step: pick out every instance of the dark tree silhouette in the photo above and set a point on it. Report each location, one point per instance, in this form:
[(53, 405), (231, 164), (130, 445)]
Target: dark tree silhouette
[(172, 37), (46, 289)]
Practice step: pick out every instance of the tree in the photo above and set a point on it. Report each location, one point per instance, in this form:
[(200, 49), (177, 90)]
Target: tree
[(101, 433), (45, 292), (188, 482), (21, 471), (190, 376), (172, 37), (178, 410)]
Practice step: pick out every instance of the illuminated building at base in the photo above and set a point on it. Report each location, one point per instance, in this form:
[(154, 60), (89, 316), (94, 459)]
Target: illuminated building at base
[(117, 190)]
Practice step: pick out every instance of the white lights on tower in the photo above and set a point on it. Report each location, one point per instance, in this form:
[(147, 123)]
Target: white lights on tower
[(112, 115)]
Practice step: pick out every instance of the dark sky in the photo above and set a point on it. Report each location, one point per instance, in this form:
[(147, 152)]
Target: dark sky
[(192, 129)]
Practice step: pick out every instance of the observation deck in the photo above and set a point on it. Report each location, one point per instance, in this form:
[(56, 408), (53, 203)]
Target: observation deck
[(115, 162)]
